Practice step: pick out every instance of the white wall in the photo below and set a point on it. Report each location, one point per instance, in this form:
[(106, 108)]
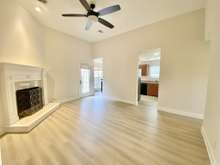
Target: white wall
[(212, 115), (1, 121), (21, 35), (184, 63), (25, 41), (63, 57)]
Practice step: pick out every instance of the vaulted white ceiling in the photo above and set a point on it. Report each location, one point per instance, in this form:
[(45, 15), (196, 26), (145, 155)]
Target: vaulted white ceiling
[(134, 14)]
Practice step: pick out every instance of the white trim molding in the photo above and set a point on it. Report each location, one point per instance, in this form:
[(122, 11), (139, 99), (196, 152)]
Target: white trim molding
[(208, 146), (181, 113), (121, 100), (127, 102), (1, 131), (62, 101), (0, 156)]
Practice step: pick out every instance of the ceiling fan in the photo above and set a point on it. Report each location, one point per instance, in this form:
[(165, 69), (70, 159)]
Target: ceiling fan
[(94, 16)]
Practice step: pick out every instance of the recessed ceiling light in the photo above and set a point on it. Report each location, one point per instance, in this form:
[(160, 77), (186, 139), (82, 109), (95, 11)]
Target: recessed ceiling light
[(38, 9)]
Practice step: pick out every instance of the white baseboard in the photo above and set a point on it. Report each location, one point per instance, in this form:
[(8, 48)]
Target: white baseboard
[(127, 102), (208, 146), (121, 100), (0, 156), (106, 97), (68, 99), (182, 113), (73, 98), (1, 131)]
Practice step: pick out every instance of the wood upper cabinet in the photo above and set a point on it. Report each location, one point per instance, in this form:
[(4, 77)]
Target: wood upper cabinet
[(144, 69), (152, 89)]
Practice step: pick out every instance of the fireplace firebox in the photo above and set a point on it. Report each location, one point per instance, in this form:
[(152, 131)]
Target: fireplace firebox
[(29, 101)]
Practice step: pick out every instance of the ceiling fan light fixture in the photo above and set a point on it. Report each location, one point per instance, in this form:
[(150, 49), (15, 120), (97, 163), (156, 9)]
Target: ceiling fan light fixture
[(93, 18)]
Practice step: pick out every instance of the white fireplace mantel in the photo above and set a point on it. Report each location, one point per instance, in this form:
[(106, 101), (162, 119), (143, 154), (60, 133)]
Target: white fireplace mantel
[(10, 76)]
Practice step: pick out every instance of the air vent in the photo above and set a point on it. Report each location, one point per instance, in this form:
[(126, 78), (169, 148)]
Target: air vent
[(43, 1), (100, 31)]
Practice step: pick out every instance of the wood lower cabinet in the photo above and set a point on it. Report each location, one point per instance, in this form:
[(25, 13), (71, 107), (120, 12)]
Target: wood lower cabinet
[(152, 89)]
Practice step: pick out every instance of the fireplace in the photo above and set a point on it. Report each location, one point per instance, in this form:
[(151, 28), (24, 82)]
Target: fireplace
[(29, 101)]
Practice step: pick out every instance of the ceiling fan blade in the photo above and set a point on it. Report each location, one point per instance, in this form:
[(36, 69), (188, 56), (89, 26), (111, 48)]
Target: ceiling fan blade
[(85, 4), (88, 25), (109, 10), (74, 15), (106, 23)]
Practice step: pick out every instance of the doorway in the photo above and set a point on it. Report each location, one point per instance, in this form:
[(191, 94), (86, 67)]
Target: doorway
[(85, 83), (149, 76), (98, 76)]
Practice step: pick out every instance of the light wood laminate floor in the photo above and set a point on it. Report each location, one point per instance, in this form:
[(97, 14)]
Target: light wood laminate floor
[(94, 131)]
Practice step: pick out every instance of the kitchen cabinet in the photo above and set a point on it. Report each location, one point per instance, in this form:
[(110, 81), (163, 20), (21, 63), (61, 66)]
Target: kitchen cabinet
[(144, 69), (150, 88)]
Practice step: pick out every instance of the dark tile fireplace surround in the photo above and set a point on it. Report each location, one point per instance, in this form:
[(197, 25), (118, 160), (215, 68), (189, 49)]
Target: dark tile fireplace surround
[(29, 101)]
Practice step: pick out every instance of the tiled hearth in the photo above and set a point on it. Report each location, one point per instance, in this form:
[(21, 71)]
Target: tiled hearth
[(28, 123)]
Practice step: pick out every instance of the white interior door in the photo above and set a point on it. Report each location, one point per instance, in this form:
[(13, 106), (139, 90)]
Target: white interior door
[(85, 73)]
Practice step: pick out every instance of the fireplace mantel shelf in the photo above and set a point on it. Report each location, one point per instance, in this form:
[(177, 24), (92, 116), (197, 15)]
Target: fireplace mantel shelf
[(28, 123)]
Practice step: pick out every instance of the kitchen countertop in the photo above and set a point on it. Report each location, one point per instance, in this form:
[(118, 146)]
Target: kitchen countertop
[(150, 82)]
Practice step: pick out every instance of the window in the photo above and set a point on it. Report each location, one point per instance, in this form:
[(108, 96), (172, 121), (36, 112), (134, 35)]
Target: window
[(98, 75), (154, 71), (85, 80)]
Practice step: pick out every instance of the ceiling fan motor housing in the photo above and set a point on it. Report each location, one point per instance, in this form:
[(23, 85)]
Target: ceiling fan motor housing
[(92, 12)]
